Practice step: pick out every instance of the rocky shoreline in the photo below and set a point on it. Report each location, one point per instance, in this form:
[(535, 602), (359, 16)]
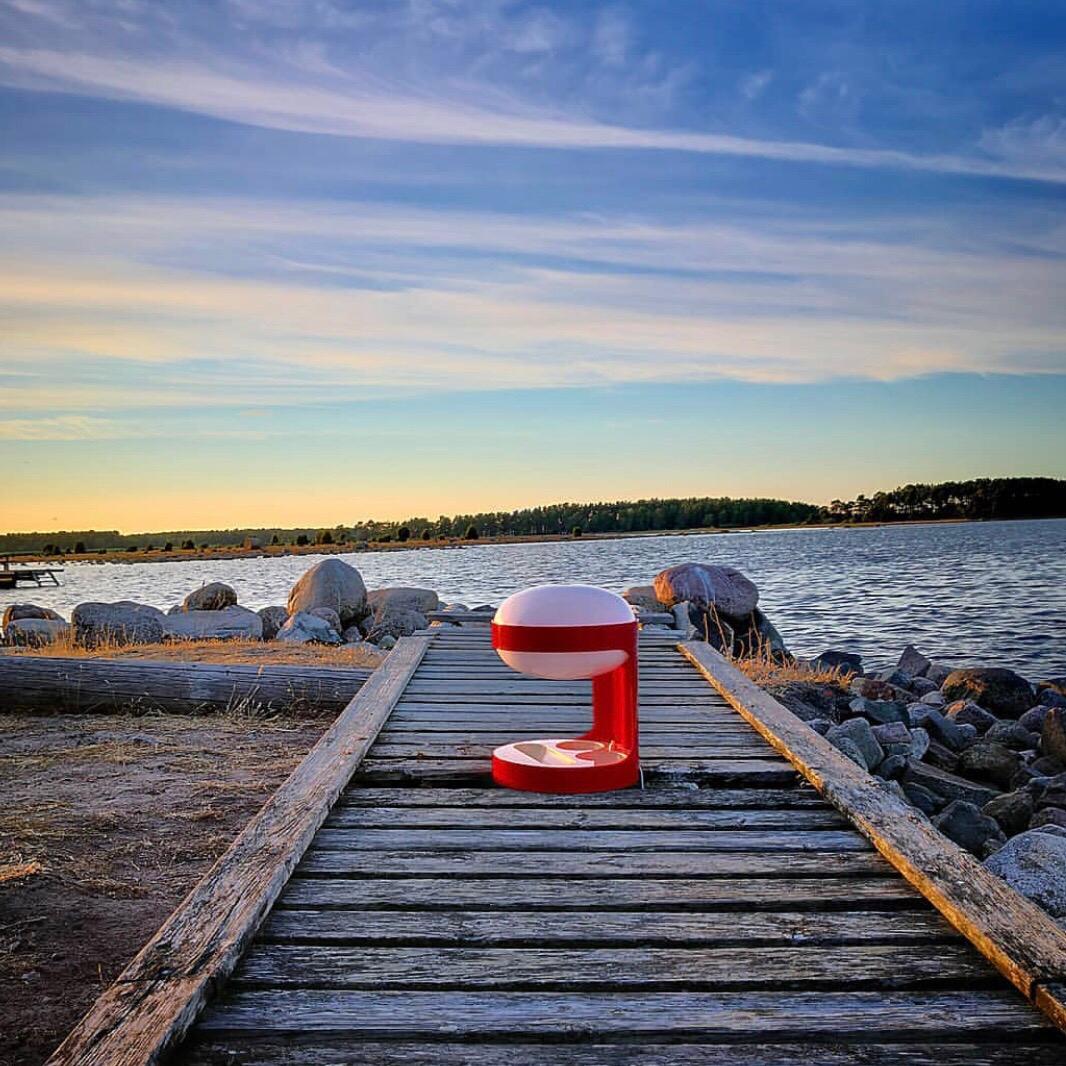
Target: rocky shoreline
[(980, 751)]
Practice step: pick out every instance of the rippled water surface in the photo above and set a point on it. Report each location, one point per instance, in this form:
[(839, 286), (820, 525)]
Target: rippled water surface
[(983, 593)]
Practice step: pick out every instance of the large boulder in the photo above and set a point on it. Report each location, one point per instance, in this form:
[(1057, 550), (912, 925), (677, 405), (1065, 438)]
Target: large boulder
[(331, 583), (214, 596), (273, 618), (231, 623), (410, 599), (708, 586), (1034, 864), (1001, 691), (35, 632), (947, 785), (17, 612), (123, 622), (306, 628)]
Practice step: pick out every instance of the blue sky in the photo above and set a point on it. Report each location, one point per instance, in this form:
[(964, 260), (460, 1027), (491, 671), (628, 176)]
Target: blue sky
[(314, 262)]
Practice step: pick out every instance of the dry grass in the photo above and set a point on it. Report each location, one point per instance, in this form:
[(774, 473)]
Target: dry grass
[(771, 671), (254, 652)]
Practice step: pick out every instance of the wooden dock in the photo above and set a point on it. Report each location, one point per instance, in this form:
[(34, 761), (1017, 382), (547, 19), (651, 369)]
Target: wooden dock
[(38, 576), (389, 906)]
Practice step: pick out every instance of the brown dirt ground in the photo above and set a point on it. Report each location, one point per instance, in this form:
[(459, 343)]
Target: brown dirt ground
[(105, 824)]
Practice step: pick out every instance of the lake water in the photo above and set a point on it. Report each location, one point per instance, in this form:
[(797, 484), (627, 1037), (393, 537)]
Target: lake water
[(992, 593)]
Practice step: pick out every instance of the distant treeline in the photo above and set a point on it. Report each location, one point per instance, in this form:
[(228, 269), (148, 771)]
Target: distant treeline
[(985, 498)]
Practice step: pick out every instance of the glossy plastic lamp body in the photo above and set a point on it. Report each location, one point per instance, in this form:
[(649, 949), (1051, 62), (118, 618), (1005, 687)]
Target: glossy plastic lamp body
[(566, 633)]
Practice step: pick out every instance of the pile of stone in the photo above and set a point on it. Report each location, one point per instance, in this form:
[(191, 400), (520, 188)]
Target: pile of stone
[(329, 604), (981, 751)]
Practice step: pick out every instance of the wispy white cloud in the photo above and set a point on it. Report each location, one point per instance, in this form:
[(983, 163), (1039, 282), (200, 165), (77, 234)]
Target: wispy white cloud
[(391, 113), (63, 427)]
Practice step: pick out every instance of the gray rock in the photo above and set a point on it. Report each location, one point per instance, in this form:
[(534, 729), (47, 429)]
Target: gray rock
[(896, 677), (1052, 684), (1012, 810), (933, 699), (848, 747), (845, 661), (1003, 692), (1047, 766), (966, 712), (273, 619), (1050, 791), (331, 583), (230, 623), (1049, 816), (941, 756), (880, 712), (938, 673), (820, 725), (18, 612), (1053, 735), (306, 628), (873, 688), (913, 662), (387, 643), (124, 622), (859, 733), (35, 632), (1033, 719), (395, 622), (968, 827), (947, 785), (327, 614), (1013, 735), (989, 761), (942, 728), (895, 788), (214, 596), (892, 766), (922, 686), (643, 596), (895, 738), (927, 801), (705, 585), (410, 599), (769, 638), (1034, 864), (919, 743)]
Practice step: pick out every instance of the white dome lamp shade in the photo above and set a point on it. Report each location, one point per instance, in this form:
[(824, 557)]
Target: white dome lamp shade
[(570, 633)]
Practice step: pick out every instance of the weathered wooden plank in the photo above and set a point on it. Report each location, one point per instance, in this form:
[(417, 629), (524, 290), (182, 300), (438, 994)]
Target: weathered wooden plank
[(590, 840), (507, 864), (488, 736), (277, 1052), (624, 799), (620, 894), (573, 929), (476, 713), (31, 684), (158, 995), (1020, 939), (477, 749), (600, 970), (769, 773), (677, 1015), (575, 818)]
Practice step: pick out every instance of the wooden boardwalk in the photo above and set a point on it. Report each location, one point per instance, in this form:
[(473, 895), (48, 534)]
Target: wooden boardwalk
[(726, 914)]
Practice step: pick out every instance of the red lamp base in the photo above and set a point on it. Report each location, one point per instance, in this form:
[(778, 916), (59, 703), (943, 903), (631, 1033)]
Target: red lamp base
[(564, 765)]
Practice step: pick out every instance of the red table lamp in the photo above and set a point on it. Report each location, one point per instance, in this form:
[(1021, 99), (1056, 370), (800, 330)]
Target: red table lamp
[(566, 633)]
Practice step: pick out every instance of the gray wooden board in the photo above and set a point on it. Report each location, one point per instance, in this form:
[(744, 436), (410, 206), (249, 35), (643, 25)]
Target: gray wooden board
[(629, 929), (507, 864), (575, 818), (475, 748), (620, 894), (278, 1052), (590, 840), (752, 1016), (599, 970), (624, 799), (769, 772)]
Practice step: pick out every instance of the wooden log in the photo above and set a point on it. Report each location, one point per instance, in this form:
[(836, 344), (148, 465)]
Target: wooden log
[(1021, 940), (35, 685), (159, 994)]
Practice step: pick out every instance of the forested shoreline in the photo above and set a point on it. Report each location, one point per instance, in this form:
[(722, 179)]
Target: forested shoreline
[(980, 499)]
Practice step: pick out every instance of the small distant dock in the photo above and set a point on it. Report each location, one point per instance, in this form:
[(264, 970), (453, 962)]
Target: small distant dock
[(390, 906), (38, 576)]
